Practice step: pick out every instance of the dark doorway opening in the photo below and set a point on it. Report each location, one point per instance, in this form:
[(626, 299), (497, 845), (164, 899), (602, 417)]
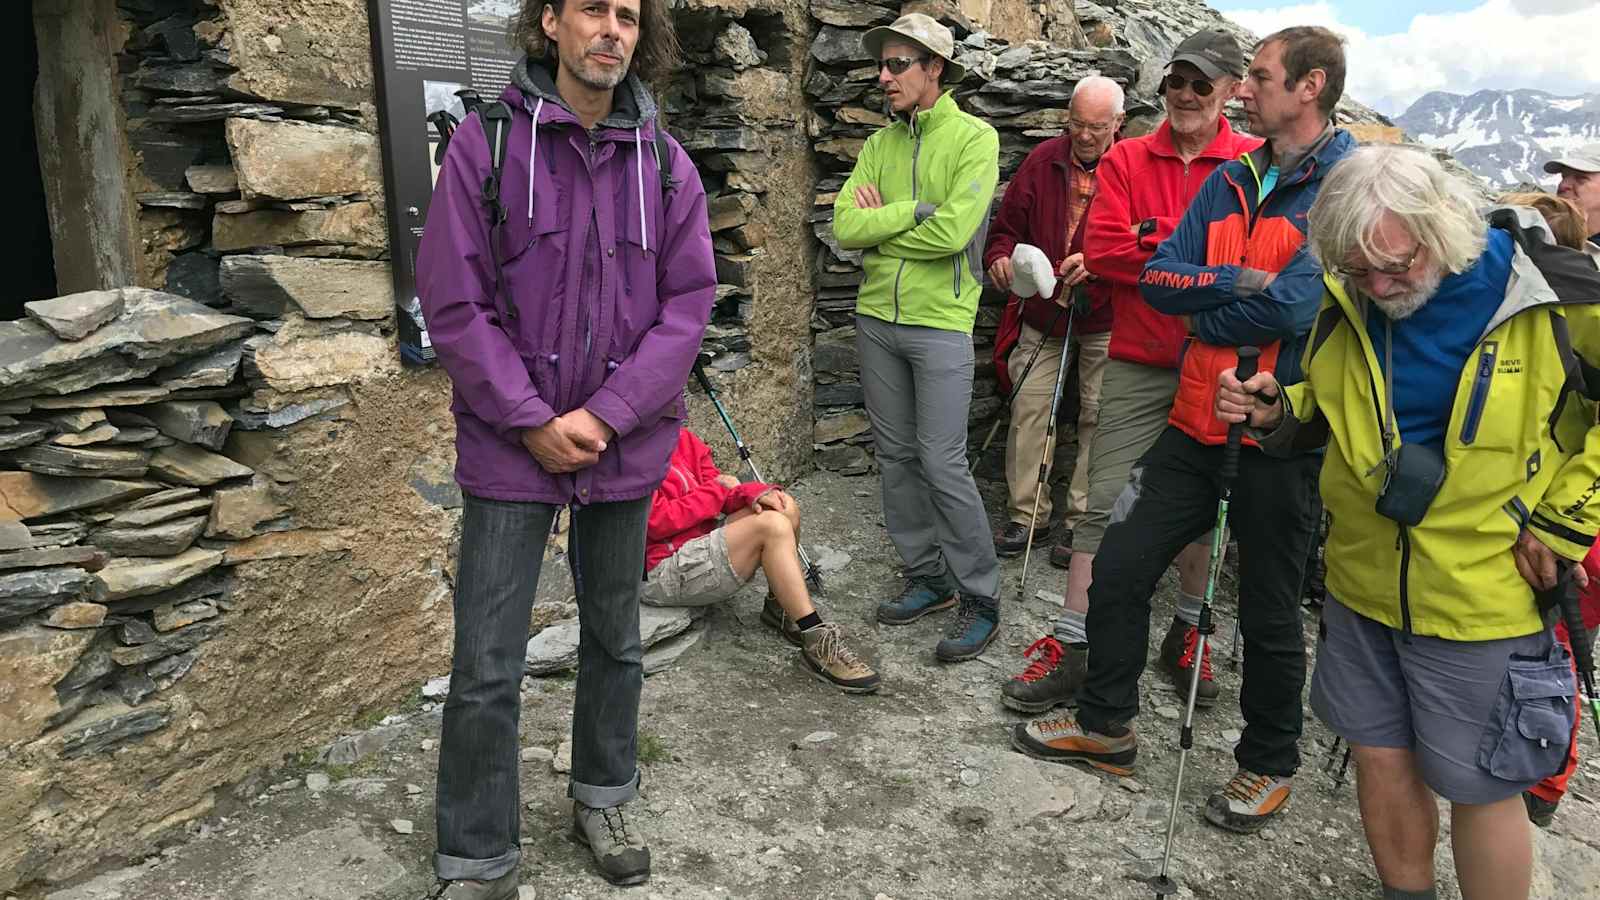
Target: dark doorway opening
[(34, 277)]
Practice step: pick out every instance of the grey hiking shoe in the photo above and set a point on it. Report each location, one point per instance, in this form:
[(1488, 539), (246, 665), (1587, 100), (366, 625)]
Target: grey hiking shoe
[(502, 888), (826, 657), (617, 845), (1247, 801)]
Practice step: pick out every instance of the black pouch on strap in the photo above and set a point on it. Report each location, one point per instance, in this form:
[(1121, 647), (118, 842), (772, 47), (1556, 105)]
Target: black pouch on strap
[(1415, 474)]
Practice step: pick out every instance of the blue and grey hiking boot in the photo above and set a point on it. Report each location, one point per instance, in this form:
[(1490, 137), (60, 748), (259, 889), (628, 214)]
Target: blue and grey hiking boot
[(920, 597), (976, 623)]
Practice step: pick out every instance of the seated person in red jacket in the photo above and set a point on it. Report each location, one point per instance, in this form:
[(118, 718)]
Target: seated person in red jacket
[(690, 560)]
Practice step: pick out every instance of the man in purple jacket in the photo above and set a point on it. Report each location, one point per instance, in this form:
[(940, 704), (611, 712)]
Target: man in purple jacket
[(569, 364)]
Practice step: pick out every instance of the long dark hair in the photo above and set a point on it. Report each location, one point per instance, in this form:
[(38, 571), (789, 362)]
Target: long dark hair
[(656, 55)]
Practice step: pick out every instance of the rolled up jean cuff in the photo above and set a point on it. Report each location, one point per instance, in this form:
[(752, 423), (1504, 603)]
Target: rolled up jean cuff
[(597, 797), (454, 868)]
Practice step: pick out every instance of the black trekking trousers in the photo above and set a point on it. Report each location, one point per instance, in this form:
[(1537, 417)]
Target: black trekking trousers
[(1170, 500)]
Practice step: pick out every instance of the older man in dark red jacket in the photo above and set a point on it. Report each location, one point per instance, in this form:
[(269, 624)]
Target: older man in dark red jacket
[(1044, 205)]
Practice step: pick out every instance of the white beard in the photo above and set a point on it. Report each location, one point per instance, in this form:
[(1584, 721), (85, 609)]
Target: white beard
[(1402, 306)]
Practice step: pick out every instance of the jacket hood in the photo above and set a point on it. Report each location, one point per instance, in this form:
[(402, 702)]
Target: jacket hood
[(1333, 145), (632, 105)]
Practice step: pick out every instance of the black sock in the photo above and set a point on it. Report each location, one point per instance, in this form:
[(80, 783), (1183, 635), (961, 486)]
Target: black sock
[(810, 620), (1390, 893)]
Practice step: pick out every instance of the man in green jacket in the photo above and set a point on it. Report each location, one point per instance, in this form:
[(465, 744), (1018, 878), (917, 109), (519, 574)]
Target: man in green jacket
[(916, 203)]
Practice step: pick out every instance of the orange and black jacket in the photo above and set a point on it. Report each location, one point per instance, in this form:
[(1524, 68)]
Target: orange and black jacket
[(1204, 271)]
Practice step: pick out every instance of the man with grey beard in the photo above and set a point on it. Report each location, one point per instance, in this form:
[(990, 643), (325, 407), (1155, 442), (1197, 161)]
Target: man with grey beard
[(1446, 376)]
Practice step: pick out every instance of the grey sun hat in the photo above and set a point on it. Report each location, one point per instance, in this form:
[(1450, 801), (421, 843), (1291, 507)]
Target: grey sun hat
[(1584, 159), (1213, 51), (923, 31)]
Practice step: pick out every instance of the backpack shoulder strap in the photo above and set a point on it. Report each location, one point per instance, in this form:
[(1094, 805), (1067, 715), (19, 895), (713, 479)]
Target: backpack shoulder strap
[(496, 119), (663, 160)]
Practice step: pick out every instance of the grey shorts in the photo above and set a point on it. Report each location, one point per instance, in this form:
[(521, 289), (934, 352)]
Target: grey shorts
[(699, 574), (1485, 719)]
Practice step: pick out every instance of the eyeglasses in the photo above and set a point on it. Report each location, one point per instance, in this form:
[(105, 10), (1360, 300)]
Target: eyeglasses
[(1175, 82), (1393, 269), (1091, 127), (897, 65)]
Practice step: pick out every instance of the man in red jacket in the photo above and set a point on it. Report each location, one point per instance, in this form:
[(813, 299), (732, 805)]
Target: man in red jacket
[(1145, 184), (690, 560), (1044, 206)]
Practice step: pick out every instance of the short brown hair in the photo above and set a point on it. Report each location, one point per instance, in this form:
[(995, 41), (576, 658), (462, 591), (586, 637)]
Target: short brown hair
[(655, 56), (1567, 222), (1307, 47)]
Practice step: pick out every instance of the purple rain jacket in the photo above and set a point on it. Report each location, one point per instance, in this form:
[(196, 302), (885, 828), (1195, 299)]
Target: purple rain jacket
[(612, 282)]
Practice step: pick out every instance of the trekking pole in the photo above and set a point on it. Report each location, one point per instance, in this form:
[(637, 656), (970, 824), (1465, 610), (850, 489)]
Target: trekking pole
[(813, 575), (1248, 358), (1049, 445), (1582, 651), (994, 425)]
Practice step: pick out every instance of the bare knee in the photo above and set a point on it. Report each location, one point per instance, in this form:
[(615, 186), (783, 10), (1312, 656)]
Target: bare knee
[(775, 526)]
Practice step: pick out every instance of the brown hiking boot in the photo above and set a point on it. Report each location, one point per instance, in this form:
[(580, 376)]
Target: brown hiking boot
[(1050, 680), (1177, 661), (1247, 801), (1064, 740), (824, 653), (502, 888), (773, 616), (1061, 553), (618, 847)]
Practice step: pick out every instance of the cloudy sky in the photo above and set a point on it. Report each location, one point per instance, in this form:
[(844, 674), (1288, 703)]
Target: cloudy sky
[(1401, 49)]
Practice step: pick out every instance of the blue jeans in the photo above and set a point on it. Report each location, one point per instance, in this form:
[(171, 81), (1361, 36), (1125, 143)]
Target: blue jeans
[(502, 546)]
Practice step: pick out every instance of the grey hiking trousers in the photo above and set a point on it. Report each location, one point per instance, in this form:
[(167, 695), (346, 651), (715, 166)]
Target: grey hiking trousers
[(918, 385)]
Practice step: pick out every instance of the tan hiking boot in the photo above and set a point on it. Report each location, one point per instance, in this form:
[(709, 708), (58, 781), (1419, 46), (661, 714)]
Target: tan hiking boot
[(824, 653), (1063, 739), (1247, 801), (773, 616)]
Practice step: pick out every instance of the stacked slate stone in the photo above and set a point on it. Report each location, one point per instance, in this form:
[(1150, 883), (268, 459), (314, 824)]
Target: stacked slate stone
[(189, 116), (721, 110), (1023, 91), (122, 503)]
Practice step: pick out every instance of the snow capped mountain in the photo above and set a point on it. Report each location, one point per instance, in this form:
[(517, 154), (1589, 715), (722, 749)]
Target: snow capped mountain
[(1504, 136)]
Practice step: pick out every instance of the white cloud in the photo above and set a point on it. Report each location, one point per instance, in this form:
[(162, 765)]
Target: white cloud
[(1503, 44)]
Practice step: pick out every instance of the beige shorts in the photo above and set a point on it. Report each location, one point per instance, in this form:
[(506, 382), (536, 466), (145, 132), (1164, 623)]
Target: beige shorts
[(699, 574)]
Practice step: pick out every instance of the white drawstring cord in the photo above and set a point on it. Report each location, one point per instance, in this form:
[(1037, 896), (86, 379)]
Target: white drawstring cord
[(533, 156), (638, 165)]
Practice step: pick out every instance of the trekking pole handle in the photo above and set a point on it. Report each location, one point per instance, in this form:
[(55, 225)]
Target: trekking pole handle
[(1249, 361), (700, 376)]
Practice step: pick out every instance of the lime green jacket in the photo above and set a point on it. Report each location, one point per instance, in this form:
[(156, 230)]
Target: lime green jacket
[(936, 173), (1522, 452)]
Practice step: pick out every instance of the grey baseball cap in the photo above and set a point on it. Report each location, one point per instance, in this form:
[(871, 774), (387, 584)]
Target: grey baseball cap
[(1214, 51), (923, 31), (1584, 159)]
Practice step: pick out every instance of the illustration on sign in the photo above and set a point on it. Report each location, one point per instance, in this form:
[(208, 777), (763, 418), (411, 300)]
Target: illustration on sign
[(425, 54)]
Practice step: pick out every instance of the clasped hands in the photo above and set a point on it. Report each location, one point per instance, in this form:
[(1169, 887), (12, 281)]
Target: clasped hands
[(568, 442)]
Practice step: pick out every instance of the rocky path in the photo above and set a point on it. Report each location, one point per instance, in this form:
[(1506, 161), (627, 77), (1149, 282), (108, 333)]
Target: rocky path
[(761, 782)]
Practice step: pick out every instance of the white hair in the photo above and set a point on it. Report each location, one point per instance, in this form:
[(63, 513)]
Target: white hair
[(1101, 83), (1438, 209)]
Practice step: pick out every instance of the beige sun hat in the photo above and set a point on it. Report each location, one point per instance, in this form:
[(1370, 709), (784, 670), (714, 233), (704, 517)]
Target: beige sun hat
[(923, 31)]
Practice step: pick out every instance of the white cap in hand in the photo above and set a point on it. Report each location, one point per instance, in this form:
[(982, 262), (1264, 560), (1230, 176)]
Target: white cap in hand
[(1032, 275)]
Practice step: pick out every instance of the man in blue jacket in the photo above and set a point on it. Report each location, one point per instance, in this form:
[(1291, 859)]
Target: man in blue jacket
[(1237, 268)]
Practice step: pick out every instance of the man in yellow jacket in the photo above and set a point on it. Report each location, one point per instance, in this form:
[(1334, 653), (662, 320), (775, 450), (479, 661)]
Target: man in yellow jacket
[(1446, 376), (916, 203)]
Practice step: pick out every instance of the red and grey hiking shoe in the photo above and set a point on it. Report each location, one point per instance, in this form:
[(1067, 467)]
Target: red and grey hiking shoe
[(1247, 801), (1064, 740), (1177, 660), (1050, 680)]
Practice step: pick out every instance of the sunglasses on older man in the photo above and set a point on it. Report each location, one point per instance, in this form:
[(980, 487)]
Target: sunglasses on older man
[(897, 65), (1175, 82)]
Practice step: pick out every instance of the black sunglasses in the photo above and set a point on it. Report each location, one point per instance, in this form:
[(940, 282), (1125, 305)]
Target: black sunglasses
[(1175, 82), (897, 65)]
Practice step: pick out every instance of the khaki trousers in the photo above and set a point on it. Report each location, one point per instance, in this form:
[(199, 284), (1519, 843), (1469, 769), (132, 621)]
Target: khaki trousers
[(1030, 412)]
